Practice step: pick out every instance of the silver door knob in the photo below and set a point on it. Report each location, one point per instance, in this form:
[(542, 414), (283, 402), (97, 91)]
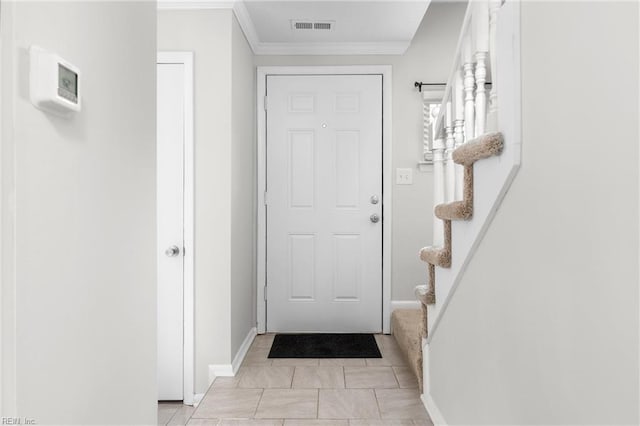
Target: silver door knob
[(374, 199), (374, 218), (172, 251)]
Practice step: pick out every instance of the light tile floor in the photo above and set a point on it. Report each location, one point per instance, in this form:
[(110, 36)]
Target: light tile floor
[(322, 392)]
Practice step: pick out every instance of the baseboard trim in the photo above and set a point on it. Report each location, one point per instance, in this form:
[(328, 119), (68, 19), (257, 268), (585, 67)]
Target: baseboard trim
[(433, 410), (197, 398), (230, 370), (244, 348), (405, 304), (219, 370)]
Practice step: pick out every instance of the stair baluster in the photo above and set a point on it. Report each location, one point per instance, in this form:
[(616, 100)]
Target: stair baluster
[(469, 100), (458, 128), (438, 185), (450, 142), (481, 93)]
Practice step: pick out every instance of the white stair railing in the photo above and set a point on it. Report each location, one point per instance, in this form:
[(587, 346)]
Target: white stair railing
[(463, 113), (488, 52), (467, 109)]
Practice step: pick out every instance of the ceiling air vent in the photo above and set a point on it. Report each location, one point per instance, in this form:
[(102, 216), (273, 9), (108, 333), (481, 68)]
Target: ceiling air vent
[(299, 24), (322, 25)]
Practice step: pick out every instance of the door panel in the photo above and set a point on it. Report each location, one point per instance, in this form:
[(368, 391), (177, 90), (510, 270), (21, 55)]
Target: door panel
[(170, 202), (301, 179), (324, 163)]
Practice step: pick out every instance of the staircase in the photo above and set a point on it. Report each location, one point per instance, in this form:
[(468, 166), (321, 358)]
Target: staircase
[(410, 325), (483, 147), (461, 131)]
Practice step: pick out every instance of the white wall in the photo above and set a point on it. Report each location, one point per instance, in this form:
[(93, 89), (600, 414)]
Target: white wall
[(78, 206), (224, 181), (428, 59), (543, 328), (243, 189)]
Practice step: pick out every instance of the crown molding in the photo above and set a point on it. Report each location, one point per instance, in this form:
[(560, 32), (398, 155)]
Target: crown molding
[(385, 48), (263, 48), (239, 10), (195, 5), (246, 23)]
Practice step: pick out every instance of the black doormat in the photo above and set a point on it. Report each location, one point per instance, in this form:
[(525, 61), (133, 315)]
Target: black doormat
[(324, 346)]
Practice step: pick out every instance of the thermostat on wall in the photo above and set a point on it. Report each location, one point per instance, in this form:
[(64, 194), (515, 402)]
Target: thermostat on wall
[(54, 84)]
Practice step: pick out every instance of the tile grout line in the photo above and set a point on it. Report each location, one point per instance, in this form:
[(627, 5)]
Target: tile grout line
[(259, 400), (190, 415), (257, 405), (395, 376), (172, 416), (293, 376), (377, 404), (168, 420)]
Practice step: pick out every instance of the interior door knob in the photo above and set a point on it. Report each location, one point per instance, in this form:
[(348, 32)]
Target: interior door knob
[(374, 218), (172, 251)]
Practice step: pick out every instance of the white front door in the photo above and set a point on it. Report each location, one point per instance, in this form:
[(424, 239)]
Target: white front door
[(170, 203), (324, 203)]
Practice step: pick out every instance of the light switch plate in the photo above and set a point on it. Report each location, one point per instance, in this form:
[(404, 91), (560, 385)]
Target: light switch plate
[(404, 176)]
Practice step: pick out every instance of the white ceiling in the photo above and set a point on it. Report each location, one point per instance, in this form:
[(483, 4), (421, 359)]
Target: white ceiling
[(358, 26)]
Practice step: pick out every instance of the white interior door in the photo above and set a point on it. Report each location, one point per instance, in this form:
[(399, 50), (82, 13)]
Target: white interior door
[(170, 202), (324, 209)]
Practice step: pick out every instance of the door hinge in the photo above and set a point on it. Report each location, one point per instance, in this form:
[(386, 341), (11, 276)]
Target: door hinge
[(265, 103), (265, 293), (265, 198)]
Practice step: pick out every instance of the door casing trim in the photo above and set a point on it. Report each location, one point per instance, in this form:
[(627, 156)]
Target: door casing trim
[(387, 183), (188, 377)]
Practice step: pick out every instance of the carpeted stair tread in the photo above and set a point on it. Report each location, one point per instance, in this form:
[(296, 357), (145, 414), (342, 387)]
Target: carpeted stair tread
[(457, 210), (425, 295), (438, 256), (407, 330), (484, 146)]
